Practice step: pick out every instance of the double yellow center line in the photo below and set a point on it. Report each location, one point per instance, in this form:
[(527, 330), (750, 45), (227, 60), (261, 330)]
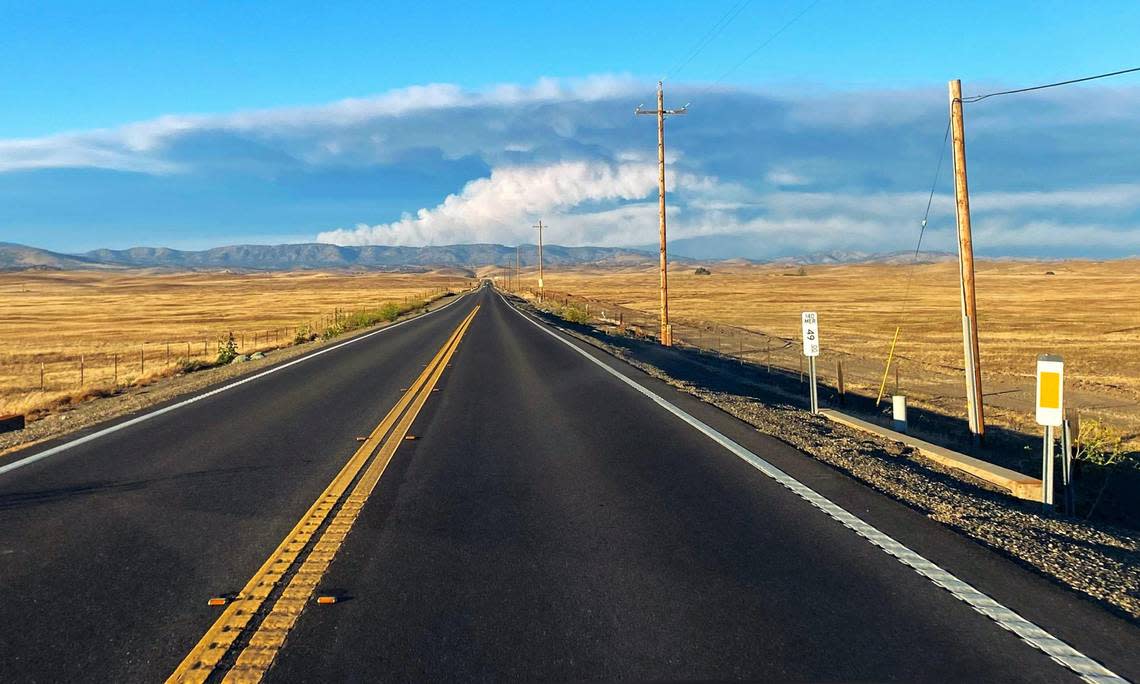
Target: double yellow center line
[(243, 642)]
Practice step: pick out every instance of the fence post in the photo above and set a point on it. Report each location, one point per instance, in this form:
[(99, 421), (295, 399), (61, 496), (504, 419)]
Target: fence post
[(768, 354), (81, 370), (115, 373), (142, 361), (41, 376)]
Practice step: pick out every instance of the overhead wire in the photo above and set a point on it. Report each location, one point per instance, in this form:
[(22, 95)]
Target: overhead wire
[(925, 218), (979, 98), (710, 35), (771, 37)]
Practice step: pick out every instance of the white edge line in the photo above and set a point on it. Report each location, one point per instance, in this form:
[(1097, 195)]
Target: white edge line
[(28, 460), (1060, 652)]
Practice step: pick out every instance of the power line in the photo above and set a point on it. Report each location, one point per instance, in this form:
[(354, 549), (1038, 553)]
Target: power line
[(922, 226), (764, 44), (930, 198), (710, 35), (978, 98)]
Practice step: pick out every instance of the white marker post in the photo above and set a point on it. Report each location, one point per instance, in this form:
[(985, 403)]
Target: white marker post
[(811, 350), (1050, 413)]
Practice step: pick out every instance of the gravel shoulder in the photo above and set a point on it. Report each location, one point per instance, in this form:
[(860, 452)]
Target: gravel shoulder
[(131, 400), (1099, 561)]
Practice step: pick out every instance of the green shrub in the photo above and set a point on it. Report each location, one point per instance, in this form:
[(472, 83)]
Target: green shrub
[(1100, 445), (574, 314), (390, 311), (304, 335), (227, 350)]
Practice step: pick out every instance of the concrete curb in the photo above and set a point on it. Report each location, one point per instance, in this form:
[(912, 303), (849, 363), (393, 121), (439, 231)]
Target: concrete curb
[(1019, 485)]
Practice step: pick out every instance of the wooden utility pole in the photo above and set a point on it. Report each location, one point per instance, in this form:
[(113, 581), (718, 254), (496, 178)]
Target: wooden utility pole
[(661, 113), (970, 351), (541, 291), (517, 273)]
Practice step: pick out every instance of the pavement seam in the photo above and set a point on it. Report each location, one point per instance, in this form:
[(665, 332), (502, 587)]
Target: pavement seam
[(1060, 652)]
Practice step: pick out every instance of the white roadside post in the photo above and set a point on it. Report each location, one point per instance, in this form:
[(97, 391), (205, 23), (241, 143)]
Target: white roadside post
[(1050, 413), (811, 350)]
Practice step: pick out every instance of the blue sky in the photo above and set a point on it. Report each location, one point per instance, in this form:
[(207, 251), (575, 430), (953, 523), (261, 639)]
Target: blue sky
[(199, 124)]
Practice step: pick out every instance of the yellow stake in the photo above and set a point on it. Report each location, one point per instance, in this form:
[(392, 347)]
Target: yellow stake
[(891, 355)]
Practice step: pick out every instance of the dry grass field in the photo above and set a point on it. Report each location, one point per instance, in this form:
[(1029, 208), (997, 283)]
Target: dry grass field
[(108, 319), (1088, 312)]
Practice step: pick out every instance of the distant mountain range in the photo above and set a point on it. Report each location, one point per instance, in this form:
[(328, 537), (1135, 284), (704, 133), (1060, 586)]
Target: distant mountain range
[(318, 256), (323, 257)]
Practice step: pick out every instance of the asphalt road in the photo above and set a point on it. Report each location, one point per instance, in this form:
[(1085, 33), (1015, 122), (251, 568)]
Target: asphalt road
[(549, 521)]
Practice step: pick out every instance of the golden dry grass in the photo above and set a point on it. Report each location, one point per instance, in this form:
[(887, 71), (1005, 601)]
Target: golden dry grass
[(1088, 312), (54, 318)]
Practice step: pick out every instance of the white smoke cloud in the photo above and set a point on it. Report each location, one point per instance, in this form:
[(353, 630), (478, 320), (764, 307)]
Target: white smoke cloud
[(503, 207)]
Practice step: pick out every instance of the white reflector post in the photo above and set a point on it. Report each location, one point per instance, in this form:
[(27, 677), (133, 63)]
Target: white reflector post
[(1050, 390)]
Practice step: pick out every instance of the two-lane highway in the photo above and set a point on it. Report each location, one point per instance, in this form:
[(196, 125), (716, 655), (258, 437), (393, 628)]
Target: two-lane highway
[(558, 515)]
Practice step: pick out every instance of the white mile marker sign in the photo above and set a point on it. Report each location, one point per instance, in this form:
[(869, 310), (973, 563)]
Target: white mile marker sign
[(811, 333)]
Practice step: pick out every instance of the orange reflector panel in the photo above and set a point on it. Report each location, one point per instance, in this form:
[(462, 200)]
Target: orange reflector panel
[(1050, 390), (326, 600), (409, 437), (216, 601)]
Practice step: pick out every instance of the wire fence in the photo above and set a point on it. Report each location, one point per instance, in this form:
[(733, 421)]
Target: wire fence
[(108, 367), (852, 378)]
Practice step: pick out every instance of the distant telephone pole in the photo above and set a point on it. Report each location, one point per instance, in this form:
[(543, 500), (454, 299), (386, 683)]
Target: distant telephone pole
[(541, 291), (661, 113), (516, 267), (970, 349)]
